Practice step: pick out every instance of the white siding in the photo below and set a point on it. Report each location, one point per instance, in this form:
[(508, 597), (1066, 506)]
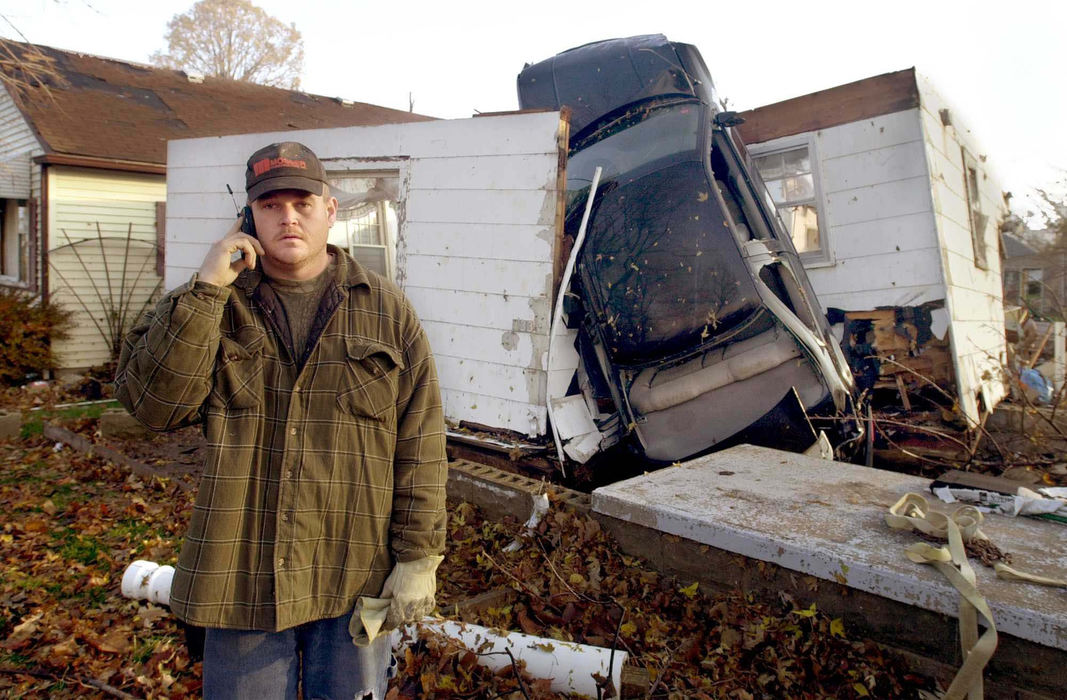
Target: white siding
[(475, 250), (90, 277), (973, 295), (18, 145), (878, 212), (19, 175), (896, 211)]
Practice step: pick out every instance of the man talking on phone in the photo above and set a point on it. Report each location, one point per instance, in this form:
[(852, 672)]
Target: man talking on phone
[(320, 513)]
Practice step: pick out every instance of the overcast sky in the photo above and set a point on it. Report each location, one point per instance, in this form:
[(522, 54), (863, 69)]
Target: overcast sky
[(1001, 65)]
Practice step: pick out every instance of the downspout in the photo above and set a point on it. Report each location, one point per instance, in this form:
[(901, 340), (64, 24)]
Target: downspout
[(43, 219)]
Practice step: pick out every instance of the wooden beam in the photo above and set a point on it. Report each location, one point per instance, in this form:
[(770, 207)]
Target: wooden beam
[(863, 99)]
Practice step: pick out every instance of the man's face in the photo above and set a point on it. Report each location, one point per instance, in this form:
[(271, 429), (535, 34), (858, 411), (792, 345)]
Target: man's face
[(292, 226)]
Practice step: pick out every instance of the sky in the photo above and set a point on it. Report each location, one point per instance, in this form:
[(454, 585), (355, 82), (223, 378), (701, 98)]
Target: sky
[(1001, 66)]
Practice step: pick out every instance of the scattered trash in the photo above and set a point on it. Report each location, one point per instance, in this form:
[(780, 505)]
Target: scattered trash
[(540, 508), (992, 494), (1034, 380)]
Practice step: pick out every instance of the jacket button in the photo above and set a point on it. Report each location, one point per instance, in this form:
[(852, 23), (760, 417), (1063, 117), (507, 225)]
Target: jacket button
[(281, 563)]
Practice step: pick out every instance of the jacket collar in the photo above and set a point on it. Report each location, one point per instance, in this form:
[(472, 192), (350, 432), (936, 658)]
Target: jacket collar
[(349, 273)]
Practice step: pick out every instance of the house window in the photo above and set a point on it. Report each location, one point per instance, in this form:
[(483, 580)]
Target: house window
[(1012, 287), (978, 220), (366, 218), (1034, 287), (790, 178), (15, 243)]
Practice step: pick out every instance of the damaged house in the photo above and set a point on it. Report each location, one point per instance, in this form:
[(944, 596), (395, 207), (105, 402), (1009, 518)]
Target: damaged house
[(706, 332), (608, 269), (895, 213)]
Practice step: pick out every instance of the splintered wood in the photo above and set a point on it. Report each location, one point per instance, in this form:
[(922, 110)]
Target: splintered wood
[(906, 362)]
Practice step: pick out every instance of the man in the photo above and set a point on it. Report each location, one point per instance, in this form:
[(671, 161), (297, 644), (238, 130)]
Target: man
[(323, 485)]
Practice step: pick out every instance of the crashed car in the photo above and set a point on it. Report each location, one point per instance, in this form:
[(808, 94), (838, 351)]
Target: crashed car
[(696, 325)]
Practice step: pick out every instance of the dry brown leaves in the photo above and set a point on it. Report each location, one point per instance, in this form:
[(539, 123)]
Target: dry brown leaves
[(71, 525), (571, 583)]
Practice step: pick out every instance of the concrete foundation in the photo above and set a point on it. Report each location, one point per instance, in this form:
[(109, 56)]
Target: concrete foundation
[(769, 521), (117, 423)]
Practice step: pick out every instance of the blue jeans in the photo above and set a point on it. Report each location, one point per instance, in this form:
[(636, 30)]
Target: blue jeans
[(254, 665)]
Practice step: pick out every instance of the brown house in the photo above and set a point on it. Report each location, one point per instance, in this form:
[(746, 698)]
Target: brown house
[(83, 150)]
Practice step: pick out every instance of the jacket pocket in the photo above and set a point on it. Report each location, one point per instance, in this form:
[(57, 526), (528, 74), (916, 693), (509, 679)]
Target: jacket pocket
[(369, 386), (238, 381)]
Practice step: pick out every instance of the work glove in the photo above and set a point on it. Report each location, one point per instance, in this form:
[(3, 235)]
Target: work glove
[(407, 596), (367, 620), (411, 587)]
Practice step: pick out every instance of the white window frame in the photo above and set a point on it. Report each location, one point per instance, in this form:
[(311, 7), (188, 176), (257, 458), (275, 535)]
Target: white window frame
[(369, 167), (823, 256), (977, 220), (16, 243)]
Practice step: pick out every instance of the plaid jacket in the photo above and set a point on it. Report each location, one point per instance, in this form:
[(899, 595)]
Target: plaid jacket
[(316, 479)]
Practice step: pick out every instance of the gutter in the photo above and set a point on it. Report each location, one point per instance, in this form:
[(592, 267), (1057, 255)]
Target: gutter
[(101, 163), (43, 220)]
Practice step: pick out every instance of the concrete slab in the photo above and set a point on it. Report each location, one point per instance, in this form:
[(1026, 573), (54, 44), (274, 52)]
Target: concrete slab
[(827, 519)]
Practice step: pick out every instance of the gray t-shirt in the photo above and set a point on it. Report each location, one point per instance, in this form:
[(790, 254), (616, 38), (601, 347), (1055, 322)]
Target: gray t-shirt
[(300, 300)]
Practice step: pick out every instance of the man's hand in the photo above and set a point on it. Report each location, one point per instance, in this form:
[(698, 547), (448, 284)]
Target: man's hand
[(217, 267), (410, 588)]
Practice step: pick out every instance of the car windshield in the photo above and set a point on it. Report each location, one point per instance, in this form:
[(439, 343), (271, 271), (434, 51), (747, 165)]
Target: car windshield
[(659, 260)]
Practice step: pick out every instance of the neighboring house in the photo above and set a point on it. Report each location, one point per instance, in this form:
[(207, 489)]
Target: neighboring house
[(895, 214), (1034, 279), (84, 150)]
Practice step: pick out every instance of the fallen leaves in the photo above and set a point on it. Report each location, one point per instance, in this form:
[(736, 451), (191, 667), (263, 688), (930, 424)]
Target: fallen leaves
[(72, 524), (691, 645)]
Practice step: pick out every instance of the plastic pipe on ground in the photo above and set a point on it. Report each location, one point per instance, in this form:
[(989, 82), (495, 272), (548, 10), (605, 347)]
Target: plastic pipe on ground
[(569, 666), (146, 580)]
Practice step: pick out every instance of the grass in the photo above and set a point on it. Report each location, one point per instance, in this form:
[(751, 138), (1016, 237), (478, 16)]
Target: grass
[(33, 421), (82, 549)]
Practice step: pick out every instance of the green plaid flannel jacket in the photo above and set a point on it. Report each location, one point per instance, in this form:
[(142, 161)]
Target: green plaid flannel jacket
[(317, 478)]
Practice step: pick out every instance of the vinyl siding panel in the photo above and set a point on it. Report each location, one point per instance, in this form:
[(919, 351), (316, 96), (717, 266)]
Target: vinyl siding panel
[(18, 145), (96, 278)]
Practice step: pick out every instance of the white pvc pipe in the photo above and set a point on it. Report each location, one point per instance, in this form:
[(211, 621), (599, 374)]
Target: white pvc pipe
[(569, 666), (146, 580), (557, 315)]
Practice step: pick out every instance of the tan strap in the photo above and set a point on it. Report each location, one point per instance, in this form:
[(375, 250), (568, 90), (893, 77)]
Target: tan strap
[(911, 513)]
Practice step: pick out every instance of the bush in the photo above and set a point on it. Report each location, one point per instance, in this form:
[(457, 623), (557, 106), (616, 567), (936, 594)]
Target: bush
[(27, 328)]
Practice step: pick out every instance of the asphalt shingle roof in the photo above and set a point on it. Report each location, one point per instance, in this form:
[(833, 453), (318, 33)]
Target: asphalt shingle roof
[(106, 108)]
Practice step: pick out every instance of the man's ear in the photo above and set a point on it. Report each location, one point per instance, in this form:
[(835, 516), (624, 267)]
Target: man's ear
[(331, 210)]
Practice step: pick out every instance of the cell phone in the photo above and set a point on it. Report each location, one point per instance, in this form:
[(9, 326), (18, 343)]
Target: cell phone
[(248, 225)]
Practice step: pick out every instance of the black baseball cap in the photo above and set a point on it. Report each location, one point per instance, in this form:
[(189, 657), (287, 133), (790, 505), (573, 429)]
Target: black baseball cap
[(284, 166)]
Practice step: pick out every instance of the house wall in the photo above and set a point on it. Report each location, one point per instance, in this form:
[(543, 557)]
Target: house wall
[(91, 277), (476, 243), (878, 214), (19, 175), (974, 295), (896, 220)]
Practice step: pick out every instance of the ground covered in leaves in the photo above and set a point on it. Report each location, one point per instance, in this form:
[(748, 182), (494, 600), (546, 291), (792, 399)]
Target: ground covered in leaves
[(72, 523), (570, 582)]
